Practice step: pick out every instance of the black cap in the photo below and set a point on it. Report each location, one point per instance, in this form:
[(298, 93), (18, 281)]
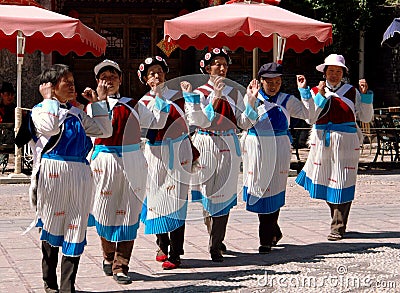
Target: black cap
[(270, 70)]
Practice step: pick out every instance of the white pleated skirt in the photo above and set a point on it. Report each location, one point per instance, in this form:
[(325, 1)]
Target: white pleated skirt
[(165, 205), (214, 182), (64, 201), (120, 186), (266, 163), (330, 172)]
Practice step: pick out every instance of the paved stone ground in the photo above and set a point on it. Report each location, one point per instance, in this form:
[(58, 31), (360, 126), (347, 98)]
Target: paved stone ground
[(304, 261)]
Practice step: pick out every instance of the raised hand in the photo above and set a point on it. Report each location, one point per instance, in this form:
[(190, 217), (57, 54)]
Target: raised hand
[(46, 90), (321, 87), (301, 81), (102, 91), (363, 86), (252, 91), (157, 90), (218, 86), (186, 86), (89, 94)]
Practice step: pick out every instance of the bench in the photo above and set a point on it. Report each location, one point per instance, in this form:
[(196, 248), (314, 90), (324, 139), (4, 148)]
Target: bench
[(388, 137), (7, 147), (6, 144)]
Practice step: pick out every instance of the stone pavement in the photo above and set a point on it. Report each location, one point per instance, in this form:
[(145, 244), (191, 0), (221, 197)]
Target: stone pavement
[(367, 260)]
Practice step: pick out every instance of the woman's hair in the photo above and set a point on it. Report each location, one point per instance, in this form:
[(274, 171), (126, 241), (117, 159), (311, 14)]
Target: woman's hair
[(53, 74), (108, 68), (343, 69)]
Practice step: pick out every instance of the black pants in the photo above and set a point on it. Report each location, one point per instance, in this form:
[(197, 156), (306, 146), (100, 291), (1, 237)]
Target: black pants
[(174, 240), (340, 215), (69, 268), (268, 228), (216, 227)]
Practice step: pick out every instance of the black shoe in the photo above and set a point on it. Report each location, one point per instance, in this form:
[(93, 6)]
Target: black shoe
[(217, 257), (222, 248), (276, 239), (107, 269), (48, 288), (122, 278), (264, 249)]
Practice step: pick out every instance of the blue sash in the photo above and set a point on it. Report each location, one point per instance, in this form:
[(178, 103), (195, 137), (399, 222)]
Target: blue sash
[(170, 142), (224, 133), (114, 149), (65, 158), (349, 127)]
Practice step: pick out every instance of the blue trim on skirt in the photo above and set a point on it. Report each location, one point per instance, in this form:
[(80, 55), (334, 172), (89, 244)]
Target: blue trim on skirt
[(163, 224), (331, 195), (68, 248), (114, 233), (215, 210), (263, 205)]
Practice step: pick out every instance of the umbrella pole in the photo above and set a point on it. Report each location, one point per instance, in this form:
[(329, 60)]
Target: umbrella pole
[(255, 63), (275, 48), (361, 55), (18, 110)]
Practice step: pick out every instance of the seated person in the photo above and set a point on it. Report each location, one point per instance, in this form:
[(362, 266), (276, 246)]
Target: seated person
[(7, 105)]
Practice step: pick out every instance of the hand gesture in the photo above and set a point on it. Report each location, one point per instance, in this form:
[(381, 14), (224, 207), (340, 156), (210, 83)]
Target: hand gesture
[(321, 87), (218, 86), (155, 85), (252, 91), (89, 95), (301, 81), (363, 86), (102, 90), (186, 86), (46, 90), (157, 90)]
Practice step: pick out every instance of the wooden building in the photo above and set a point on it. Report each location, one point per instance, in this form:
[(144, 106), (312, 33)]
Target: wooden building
[(133, 29)]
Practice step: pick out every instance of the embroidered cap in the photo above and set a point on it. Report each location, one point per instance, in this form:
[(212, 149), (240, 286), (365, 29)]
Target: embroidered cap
[(332, 59), (148, 62), (208, 57)]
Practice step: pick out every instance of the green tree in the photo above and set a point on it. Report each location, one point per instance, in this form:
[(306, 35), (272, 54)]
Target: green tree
[(348, 19)]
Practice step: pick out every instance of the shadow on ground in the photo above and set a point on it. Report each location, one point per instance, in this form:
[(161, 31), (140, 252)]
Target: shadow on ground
[(241, 278)]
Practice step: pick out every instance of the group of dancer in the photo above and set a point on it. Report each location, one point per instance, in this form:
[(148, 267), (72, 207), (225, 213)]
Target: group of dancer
[(112, 182)]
